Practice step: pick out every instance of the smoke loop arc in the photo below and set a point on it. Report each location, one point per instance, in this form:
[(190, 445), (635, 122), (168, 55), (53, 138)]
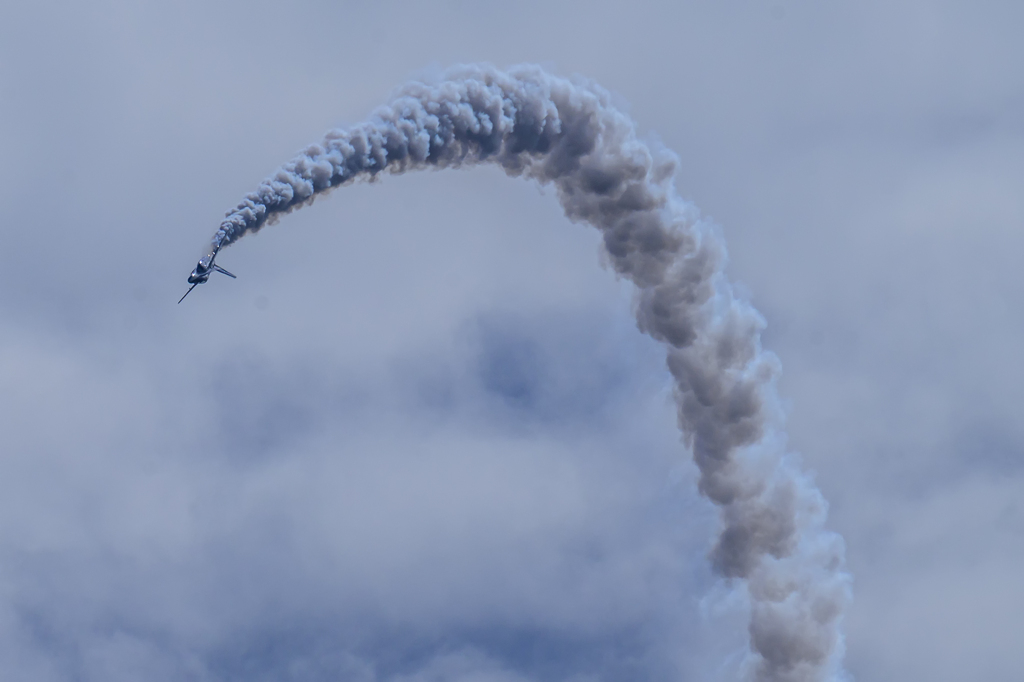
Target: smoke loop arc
[(567, 134)]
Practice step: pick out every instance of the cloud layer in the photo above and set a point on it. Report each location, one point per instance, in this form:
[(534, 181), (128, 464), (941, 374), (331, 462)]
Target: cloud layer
[(863, 162)]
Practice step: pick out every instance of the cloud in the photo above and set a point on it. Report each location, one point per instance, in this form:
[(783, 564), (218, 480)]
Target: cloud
[(862, 161)]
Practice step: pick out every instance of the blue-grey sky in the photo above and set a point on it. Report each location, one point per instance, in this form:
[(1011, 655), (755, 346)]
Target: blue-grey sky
[(420, 438)]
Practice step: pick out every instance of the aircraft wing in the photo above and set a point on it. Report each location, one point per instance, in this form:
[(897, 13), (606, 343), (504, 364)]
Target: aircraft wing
[(188, 292), (222, 270)]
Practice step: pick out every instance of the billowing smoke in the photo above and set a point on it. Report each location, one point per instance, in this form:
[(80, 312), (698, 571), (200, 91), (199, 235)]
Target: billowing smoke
[(566, 133)]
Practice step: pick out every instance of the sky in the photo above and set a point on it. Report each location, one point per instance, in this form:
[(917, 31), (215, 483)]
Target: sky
[(355, 463)]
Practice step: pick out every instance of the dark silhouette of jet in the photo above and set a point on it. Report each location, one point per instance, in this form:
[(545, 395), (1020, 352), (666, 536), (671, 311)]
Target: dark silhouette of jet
[(204, 269)]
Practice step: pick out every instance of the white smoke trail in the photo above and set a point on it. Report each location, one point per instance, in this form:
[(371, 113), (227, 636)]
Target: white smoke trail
[(567, 134)]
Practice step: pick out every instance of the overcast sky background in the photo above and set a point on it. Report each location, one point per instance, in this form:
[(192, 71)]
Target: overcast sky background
[(420, 439)]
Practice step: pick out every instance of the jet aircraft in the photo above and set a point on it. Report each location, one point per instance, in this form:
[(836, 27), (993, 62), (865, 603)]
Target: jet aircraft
[(204, 269)]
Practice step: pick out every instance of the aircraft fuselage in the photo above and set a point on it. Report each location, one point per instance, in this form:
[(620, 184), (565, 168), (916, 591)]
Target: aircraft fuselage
[(200, 274), (204, 268)]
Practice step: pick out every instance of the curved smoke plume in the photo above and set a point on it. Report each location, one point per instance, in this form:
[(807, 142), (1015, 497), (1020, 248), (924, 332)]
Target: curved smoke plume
[(567, 134)]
